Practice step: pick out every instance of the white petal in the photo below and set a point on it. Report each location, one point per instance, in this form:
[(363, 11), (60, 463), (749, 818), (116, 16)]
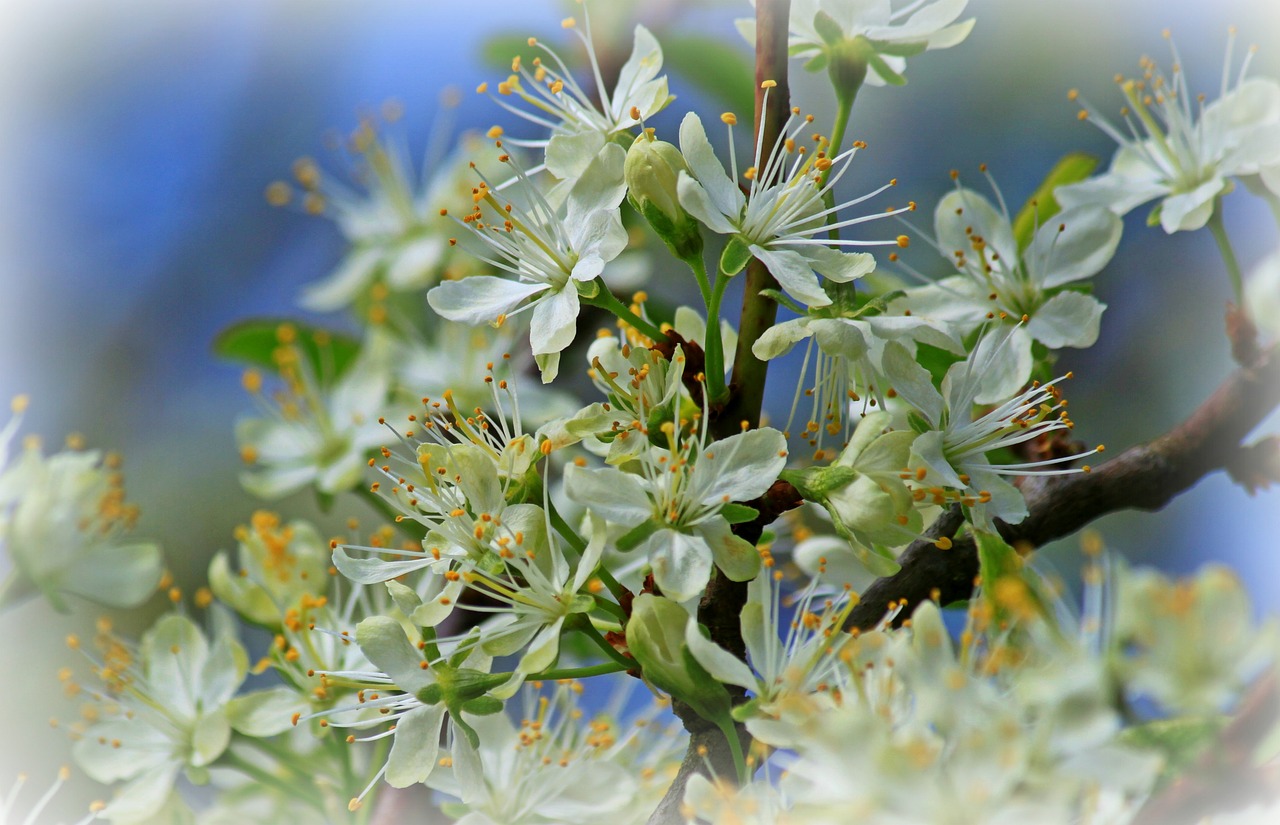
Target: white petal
[(613, 494), (480, 299), (697, 202), (719, 662), (414, 263), (115, 576), (569, 155), (839, 266), (602, 185), (1079, 251), (641, 67), (707, 169), (912, 381), (414, 748), (1186, 211), (977, 214), (555, 320), (780, 338), (736, 557), (1068, 319), (383, 641), (740, 467), (681, 563), (344, 285), (794, 274)]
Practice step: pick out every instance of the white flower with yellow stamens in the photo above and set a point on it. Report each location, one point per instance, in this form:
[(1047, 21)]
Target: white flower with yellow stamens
[(62, 523), (782, 220), (799, 659), (871, 32), (390, 217), (579, 126), (1000, 282), (1179, 149), (167, 707), (554, 255), (314, 432), (675, 509), (952, 452)]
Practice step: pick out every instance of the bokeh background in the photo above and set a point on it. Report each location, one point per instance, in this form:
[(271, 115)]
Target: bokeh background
[(137, 136)]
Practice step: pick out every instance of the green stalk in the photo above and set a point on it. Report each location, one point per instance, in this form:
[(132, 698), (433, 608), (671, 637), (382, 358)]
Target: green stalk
[(713, 346), (608, 301), (580, 672), (730, 732), (265, 777), (1219, 230), (844, 108), (585, 628), (580, 545)]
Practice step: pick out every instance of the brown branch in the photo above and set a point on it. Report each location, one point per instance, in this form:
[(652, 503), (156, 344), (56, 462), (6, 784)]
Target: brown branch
[(1145, 477), (1225, 777), (723, 600)]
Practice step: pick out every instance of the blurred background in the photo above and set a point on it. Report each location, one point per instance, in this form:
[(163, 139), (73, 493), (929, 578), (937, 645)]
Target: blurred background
[(137, 136)]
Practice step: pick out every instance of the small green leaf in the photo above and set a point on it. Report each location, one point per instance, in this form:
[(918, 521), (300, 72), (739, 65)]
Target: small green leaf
[(739, 513), (1153, 217), (1042, 205), (716, 67), (255, 342)]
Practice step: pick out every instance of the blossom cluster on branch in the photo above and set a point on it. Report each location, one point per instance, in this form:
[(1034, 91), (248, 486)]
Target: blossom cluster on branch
[(643, 528)]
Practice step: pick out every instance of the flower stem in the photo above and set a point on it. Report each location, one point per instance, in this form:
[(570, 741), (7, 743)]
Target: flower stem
[(578, 544), (580, 672), (730, 732), (584, 627), (1219, 230), (605, 299), (699, 268), (265, 777), (713, 346), (844, 108)]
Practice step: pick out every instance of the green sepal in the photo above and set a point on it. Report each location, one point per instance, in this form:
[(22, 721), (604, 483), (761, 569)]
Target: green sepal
[(780, 297), (827, 28), (735, 513), (255, 342), (634, 537), (899, 49), (814, 483), (582, 603), (483, 706), (588, 289), (746, 710), (1042, 205), (324, 501), (1153, 217), (887, 74), (736, 255)]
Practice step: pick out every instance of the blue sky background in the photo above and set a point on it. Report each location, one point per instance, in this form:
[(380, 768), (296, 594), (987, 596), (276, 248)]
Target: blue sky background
[(136, 138)]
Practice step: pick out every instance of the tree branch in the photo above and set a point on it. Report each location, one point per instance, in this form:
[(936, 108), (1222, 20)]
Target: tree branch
[(1145, 477), (718, 611)]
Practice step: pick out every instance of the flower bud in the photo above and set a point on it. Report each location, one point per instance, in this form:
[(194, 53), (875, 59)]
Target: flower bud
[(656, 638), (652, 173)]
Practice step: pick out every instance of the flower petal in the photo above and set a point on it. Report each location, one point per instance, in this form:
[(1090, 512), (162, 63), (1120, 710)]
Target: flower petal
[(480, 299), (794, 274), (707, 169), (415, 746), (1080, 250), (1068, 319)]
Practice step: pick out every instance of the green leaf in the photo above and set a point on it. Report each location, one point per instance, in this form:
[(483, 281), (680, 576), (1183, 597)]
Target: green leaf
[(739, 513), (256, 340), (1042, 205), (716, 67)]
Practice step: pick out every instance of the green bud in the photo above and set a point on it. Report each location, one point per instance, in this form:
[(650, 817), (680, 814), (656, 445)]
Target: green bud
[(652, 172), (656, 638)]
